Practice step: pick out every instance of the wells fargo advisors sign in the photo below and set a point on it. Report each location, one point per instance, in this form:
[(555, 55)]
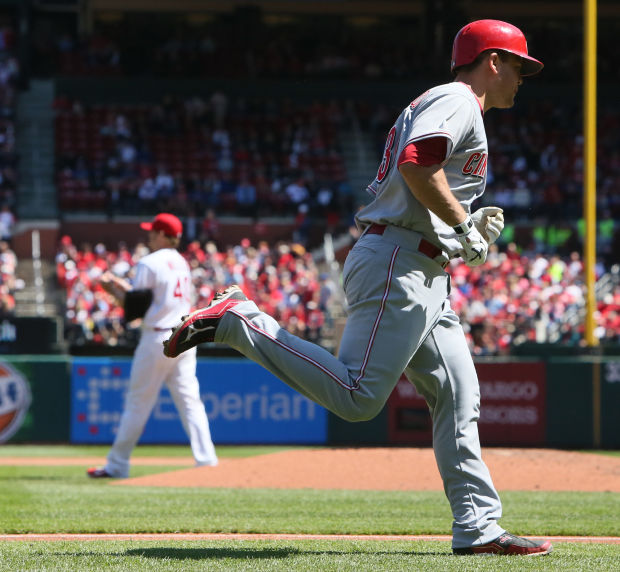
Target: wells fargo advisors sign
[(512, 407)]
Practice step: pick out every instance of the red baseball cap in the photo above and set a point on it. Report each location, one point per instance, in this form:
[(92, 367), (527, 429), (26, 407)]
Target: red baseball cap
[(169, 224)]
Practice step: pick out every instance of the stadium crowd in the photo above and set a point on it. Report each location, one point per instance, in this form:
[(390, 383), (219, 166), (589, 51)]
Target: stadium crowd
[(268, 158), (203, 157), (286, 46), (9, 282), (9, 75), (519, 297), (512, 299), (247, 157), (283, 279)]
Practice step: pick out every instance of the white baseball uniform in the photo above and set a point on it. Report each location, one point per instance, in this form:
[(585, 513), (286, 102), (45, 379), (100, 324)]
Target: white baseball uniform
[(399, 313), (166, 273)]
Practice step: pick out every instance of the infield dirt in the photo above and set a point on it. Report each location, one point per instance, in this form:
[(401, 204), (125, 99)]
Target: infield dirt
[(397, 469), (389, 469)]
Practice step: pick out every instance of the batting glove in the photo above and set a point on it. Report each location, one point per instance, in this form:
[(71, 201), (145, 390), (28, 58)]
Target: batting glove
[(475, 247), (490, 222)]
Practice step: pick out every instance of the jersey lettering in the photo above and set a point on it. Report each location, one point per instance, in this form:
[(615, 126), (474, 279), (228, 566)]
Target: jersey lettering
[(417, 100), (181, 290), (476, 165), (481, 169), (384, 167)]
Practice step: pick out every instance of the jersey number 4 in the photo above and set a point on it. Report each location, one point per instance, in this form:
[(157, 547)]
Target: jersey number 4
[(385, 165), (181, 290)]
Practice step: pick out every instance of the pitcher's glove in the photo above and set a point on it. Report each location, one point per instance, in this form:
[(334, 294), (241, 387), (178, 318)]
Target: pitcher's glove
[(490, 222), (475, 247)]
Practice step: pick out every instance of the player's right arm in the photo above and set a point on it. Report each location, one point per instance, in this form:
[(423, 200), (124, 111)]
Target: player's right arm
[(433, 129), (135, 298), (430, 186), (115, 285)]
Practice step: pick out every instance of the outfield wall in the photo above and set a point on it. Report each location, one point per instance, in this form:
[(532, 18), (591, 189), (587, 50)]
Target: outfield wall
[(558, 402)]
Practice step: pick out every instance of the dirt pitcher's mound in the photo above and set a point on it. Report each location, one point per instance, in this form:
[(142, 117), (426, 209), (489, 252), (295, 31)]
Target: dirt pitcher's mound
[(395, 469)]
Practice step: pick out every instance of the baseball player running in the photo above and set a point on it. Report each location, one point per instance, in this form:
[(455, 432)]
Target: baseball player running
[(433, 168), (161, 289)]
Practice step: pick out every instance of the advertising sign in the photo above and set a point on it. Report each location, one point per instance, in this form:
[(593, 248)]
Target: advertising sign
[(610, 403), (512, 407), (28, 335), (244, 402), (14, 401)]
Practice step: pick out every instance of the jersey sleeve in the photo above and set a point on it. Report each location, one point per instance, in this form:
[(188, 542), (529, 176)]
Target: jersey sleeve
[(144, 278), (425, 152), (450, 116)]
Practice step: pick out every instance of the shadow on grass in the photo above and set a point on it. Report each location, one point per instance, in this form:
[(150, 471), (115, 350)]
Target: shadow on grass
[(259, 553)]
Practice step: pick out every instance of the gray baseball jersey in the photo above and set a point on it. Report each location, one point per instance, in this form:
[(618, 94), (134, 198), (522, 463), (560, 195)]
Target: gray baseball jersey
[(451, 111)]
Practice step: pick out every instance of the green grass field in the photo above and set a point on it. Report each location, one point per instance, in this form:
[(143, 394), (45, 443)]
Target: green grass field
[(48, 499)]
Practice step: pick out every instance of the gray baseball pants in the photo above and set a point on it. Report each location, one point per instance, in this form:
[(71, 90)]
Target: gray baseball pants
[(399, 320)]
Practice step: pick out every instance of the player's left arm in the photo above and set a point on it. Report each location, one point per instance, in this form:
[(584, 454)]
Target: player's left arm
[(137, 303)]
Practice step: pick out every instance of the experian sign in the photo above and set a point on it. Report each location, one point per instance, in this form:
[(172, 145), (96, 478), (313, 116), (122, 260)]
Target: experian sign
[(244, 402)]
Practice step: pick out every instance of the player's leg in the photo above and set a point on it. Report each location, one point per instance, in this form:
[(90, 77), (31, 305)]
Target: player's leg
[(148, 371), (185, 392), (390, 309), (443, 372)]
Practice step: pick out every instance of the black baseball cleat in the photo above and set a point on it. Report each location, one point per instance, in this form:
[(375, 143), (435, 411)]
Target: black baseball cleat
[(98, 473), (509, 545), (199, 327)]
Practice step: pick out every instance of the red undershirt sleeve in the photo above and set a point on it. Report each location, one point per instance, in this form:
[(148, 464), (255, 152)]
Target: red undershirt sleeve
[(425, 153)]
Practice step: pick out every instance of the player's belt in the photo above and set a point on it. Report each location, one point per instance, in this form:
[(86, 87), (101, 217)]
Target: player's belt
[(425, 247)]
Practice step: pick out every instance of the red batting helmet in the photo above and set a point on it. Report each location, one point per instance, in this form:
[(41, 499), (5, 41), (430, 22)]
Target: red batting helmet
[(481, 35)]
